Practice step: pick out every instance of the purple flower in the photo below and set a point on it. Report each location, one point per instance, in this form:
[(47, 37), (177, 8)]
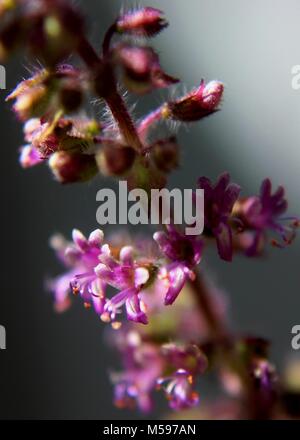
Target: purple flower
[(258, 214), (143, 364), (187, 362), (179, 389), (29, 156), (82, 256), (184, 252), (94, 265), (218, 203), (129, 277)]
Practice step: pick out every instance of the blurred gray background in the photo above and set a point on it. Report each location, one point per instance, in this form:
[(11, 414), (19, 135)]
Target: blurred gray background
[(56, 366)]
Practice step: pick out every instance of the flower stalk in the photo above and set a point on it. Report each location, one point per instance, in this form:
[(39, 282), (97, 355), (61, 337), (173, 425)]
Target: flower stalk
[(142, 287)]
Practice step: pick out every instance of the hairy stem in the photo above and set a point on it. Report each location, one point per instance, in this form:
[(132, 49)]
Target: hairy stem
[(113, 98), (88, 54), (149, 121), (123, 118), (107, 39)]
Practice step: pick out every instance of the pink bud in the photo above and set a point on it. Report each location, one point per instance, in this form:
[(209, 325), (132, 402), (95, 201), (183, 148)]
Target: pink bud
[(212, 94), (142, 70), (72, 167), (197, 104), (29, 156), (142, 22), (165, 154), (115, 159)]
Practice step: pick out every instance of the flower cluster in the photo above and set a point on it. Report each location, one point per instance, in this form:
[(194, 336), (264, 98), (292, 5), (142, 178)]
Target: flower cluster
[(51, 102), (150, 366), (162, 348)]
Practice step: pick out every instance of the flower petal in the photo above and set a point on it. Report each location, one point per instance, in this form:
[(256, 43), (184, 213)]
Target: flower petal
[(223, 236), (134, 311), (176, 277)]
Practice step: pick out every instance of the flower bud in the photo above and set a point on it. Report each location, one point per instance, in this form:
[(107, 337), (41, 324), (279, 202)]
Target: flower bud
[(142, 71), (31, 96), (197, 104), (48, 92), (31, 103), (165, 154), (54, 34), (72, 167), (115, 160), (144, 22), (29, 156)]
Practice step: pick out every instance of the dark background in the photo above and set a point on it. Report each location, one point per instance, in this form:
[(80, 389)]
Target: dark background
[(56, 366)]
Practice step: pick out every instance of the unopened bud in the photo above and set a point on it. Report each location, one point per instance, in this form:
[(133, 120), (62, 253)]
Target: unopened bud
[(142, 70), (29, 156), (31, 96), (72, 167), (197, 104), (31, 103), (57, 34), (142, 22), (165, 154), (115, 160)]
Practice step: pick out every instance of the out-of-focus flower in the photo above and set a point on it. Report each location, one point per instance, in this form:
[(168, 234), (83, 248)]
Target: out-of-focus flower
[(29, 156), (31, 96), (184, 252), (47, 92), (179, 390), (186, 356), (66, 134), (115, 159), (264, 374), (218, 204), (144, 22), (148, 366), (265, 387), (142, 70), (69, 167), (51, 31), (143, 364), (257, 214), (197, 104), (165, 154), (67, 143)]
